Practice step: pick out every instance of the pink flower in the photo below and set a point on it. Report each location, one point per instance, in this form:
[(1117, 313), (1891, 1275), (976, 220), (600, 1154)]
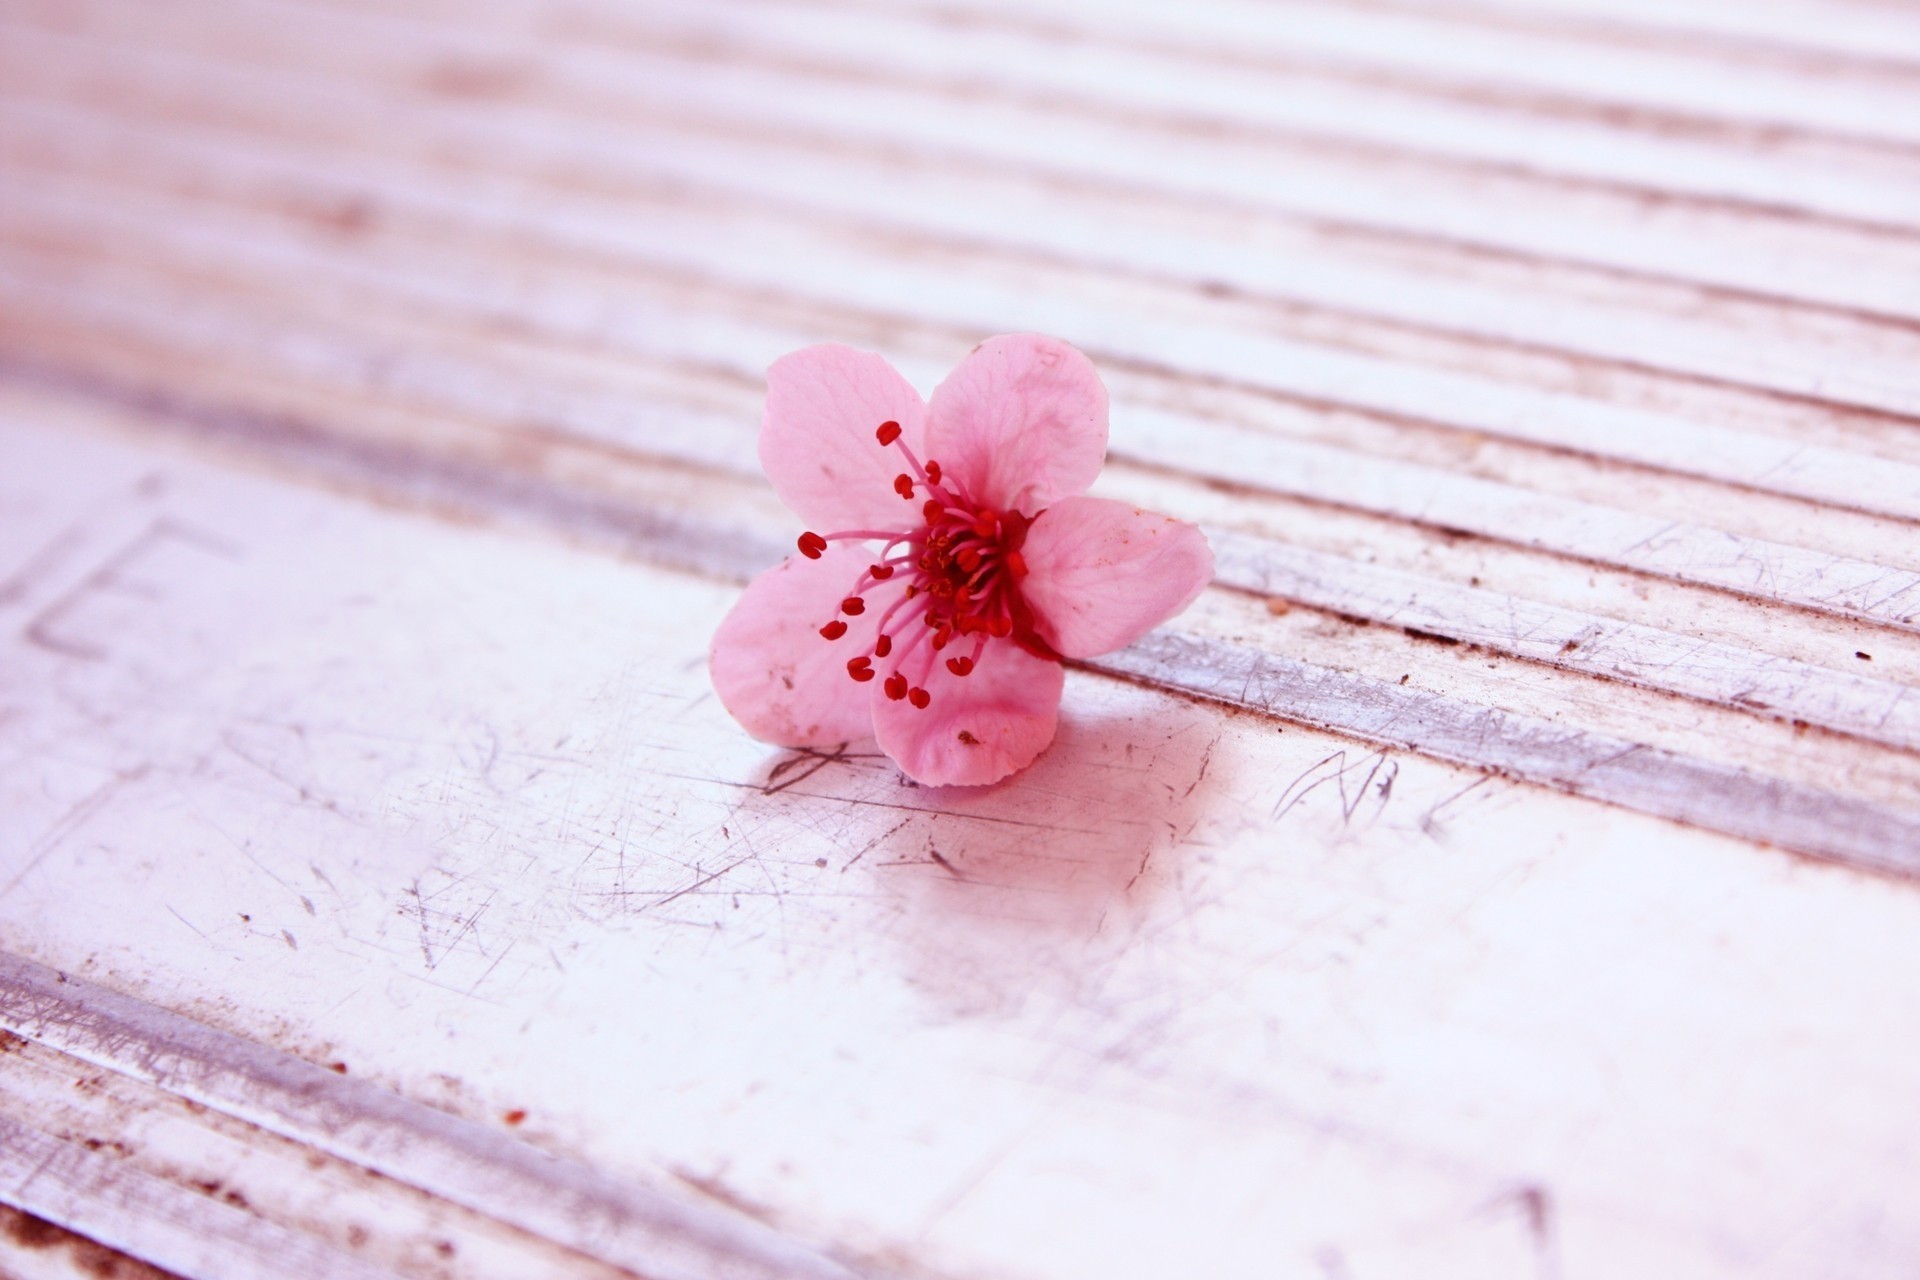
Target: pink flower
[(944, 644)]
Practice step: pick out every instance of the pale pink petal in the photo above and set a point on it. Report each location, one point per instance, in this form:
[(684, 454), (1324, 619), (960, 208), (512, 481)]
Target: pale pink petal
[(817, 438), (773, 671), (1101, 574), (1021, 424), (979, 728)]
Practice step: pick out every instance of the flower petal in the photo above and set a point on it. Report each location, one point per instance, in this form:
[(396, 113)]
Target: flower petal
[(1021, 424), (773, 671), (978, 728), (1101, 574), (817, 440)]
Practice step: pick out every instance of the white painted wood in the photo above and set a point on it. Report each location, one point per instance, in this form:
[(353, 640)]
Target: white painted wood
[(1542, 64), (1491, 876), (1392, 390), (1851, 368), (630, 1225), (1879, 710), (516, 848), (1839, 585), (172, 1227)]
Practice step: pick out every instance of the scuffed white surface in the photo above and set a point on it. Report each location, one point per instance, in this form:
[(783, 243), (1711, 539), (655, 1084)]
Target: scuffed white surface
[(1193, 996)]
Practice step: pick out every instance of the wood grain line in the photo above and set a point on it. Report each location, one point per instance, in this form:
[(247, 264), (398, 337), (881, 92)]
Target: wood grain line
[(1683, 552), (571, 1204), (1687, 789), (1726, 675), (1682, 787), (152, 1219)]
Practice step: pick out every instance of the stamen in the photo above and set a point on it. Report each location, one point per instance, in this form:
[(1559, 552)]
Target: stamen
[(960, 579)]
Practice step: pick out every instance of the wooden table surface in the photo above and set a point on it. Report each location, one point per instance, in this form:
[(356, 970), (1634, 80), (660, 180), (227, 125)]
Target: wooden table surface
[(1510, 866)]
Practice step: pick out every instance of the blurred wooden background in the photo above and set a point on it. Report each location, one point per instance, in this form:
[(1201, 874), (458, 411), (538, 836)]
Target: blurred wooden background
[(1508, 868)]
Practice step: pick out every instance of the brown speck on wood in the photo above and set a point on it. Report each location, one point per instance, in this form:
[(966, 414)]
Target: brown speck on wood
[(1863, 655), (89, 1257), (30, 1232), (341, 1067)]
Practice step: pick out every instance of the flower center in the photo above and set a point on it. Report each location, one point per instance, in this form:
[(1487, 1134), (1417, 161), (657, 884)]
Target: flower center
[(961, 565)]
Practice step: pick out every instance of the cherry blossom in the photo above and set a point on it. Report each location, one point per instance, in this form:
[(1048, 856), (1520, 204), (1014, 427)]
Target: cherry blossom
[(951, 561)]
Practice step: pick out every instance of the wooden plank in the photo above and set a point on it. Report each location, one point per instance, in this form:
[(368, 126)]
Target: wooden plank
[(1114, 1043), (629, 1225), (1542, 375), (1697, 792), (156, 1221), (1389, 387), (1820, 821), (1836, 585), (1877, 710), (1666, 332)]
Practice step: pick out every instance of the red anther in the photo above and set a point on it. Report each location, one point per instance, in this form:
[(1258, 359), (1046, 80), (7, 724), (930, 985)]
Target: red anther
[(853, 606), (959, 666), (986, 523), (919, 698), (833, 630), (883, 646), (969, 558), (943, 637), (880, 572), (1001, 627), (1016, 564), (932, 509), (811, 545), (903, 485), (861, 668), (888, 432), (896, 686), (933, 472)]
